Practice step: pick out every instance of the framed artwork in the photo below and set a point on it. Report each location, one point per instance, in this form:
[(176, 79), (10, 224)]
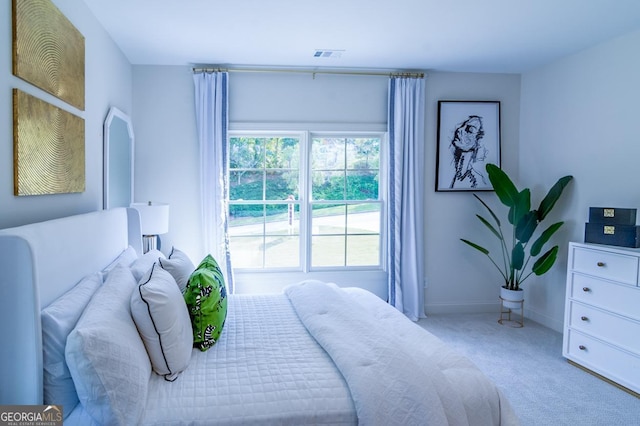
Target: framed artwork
[(48, 51), (48, 148), (468, 139)]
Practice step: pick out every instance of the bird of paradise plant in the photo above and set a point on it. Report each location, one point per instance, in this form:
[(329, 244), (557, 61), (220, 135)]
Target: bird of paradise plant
[(520, 250)]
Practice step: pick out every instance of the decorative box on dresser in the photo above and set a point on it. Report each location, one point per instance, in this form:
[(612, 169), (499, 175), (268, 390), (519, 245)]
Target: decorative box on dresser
[(602, 312)]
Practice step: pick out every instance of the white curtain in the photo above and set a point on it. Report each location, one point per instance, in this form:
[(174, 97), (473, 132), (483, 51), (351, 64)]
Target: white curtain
[(211, 96), (405, 245)]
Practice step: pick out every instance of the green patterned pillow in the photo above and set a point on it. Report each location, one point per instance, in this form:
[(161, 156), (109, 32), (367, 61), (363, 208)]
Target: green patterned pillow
[(206, 298), (210, 263)]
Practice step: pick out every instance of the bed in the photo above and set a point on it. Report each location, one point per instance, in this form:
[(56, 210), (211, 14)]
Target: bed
[(314, 354)]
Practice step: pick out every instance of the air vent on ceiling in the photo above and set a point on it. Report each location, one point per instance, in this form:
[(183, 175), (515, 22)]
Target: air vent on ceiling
[(327, 53)]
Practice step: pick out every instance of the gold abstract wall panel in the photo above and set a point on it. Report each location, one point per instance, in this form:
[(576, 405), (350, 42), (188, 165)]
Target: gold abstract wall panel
[(48, 51), (48, 148)]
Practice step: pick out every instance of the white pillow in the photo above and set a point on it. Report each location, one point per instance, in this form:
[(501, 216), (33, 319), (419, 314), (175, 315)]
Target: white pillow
[(142, 264), (179, 266), (127, 257), (106, 357), (58, 319), (162, 318)]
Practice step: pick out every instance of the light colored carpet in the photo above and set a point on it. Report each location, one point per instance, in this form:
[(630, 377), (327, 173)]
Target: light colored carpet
[(527, 364)]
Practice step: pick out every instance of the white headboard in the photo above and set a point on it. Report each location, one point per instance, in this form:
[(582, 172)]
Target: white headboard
[(39, 263)]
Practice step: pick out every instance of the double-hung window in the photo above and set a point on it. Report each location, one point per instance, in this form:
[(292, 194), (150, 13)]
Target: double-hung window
[(306, 201), (264, 206)]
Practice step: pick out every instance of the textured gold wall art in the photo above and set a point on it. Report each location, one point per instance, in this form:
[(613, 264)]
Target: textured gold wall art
[(48, 51), (48, 148)]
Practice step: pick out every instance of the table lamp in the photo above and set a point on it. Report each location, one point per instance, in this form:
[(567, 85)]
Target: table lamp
[(154, 220)]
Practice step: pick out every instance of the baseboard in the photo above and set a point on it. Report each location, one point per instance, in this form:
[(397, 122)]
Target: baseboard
[(462, 308), (544, 319), (476, 308)]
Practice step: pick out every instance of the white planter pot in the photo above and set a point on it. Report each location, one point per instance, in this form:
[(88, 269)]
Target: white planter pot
[(511, 299)]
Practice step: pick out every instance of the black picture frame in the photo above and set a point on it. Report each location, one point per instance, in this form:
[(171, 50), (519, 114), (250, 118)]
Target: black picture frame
[(468, 139)]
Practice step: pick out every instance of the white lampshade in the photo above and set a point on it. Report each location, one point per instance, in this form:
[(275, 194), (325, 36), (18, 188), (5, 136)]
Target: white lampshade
[(154, 217)]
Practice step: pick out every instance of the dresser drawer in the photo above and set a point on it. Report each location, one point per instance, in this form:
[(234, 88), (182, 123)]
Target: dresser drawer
[(614, 329), (619, 366), (620, 298), (612, 266)]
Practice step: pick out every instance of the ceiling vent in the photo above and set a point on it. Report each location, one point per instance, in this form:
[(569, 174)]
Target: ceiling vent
[(327, 53)]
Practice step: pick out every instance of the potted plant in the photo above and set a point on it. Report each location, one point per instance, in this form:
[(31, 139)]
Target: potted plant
[(519, 248)]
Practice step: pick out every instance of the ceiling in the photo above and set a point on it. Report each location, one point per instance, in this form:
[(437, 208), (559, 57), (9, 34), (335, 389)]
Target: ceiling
[(510, 36)]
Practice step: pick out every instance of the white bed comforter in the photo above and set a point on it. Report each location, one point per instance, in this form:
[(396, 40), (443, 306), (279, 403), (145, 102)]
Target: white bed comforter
[(361, 362), (397, 373)]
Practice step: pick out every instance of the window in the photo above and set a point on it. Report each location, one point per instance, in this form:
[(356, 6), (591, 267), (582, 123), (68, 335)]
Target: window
[(345, 202), (305, 201)]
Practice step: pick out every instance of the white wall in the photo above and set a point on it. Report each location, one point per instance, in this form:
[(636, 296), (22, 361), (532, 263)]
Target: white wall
[(305, 98), (166, 155), (108, 82), (579, 116)]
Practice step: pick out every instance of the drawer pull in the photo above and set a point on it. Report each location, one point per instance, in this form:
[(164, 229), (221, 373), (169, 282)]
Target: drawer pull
[(584, 318), (600, 264), (582, 347), (586, 289)]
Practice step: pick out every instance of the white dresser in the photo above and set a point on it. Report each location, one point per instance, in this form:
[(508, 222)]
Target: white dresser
[(602, 312)]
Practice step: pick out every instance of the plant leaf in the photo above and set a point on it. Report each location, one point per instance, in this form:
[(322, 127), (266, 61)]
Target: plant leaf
[(536, 248), (489, 209), (517, 256), (488, 225), (545, 262), (502, 185), (521, 207), (526, 226), (552, 196), (475, 246)]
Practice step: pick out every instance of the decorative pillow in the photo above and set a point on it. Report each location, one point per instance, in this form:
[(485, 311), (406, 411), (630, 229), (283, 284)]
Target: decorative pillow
[(206, 297), (106, 357), (58, 319), (127, 257), (162, 318), (179, 266), (142, 265)]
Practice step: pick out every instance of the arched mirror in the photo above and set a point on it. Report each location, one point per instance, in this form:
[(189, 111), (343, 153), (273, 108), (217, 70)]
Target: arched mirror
[(118, 160)]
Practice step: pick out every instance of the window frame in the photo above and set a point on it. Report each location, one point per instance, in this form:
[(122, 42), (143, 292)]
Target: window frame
[(260, 134), (306, 132), (381, 191)]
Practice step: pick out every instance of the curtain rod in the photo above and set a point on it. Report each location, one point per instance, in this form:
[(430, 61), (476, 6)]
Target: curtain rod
[(314, 72)]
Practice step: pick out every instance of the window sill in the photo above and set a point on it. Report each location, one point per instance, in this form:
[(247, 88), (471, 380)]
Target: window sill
[(275, 282)]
